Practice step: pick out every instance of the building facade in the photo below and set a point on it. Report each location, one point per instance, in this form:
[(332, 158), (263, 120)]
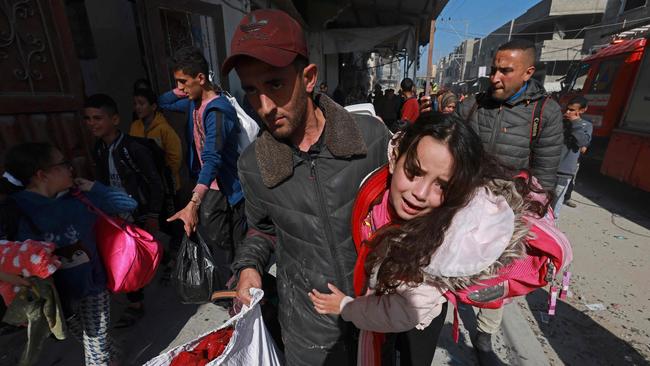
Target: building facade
[(622, 18), (557, 27)]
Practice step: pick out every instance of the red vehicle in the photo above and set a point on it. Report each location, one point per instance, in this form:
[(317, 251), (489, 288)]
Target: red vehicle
[(616, 82)]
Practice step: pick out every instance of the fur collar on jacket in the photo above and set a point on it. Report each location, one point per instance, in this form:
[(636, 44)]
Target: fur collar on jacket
[(342, 137)]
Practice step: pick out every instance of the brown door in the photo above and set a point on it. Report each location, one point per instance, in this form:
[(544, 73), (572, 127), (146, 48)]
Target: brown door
[(41, 87), (168, 25), (40, 71)]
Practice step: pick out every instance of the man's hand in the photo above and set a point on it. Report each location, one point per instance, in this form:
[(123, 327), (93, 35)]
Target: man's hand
[(151, 225), (248, 278), (583, 150), (327, 303), (14, 279), (84, 185), (189, 216)]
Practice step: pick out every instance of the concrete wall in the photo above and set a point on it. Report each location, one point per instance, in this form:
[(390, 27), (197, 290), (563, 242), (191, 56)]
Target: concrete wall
[(615, 20), (232, 15), (561, 50), (316, 56), (118, 64), (332, 70), (572, 7)]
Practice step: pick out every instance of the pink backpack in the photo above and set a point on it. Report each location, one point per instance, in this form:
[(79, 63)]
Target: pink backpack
[(548, 253)]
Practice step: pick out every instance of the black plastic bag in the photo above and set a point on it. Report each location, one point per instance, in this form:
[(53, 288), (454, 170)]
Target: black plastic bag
[(195, 271)]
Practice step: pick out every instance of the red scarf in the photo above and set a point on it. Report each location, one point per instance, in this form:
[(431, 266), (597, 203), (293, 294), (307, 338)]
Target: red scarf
[(367, 219)]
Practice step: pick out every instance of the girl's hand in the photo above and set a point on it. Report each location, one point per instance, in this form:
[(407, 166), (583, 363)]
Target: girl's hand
[(84, 185), (327, 303)]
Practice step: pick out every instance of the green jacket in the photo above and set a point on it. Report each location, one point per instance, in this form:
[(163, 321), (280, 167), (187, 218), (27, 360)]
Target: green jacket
[(39, 307)]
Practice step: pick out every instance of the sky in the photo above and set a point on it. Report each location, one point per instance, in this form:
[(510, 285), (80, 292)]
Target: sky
[(479, 17)]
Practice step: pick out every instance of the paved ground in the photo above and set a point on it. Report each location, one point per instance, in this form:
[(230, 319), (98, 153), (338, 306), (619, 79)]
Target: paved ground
[(607, 320), (610, 236)]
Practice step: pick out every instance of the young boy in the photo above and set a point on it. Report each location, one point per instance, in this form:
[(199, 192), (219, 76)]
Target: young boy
[(216, 208), (577, 136), (153, 125), (122, 162)]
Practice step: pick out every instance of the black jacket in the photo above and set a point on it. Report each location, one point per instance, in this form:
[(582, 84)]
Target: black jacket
[(299, 205), (505, 129), (137, 169)]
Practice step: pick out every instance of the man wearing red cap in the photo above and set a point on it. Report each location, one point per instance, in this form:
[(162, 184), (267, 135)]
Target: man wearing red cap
[(300, 179)]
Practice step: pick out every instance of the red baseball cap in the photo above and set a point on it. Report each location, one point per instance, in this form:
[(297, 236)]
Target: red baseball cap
[(269, 35)]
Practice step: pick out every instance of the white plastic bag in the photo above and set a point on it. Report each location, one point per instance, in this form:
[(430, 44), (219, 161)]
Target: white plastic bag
[(365, 109), (249, 128), (250, 344)]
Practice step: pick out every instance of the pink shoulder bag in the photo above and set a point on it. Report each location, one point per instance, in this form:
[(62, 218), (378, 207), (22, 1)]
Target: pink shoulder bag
[(130, 254)]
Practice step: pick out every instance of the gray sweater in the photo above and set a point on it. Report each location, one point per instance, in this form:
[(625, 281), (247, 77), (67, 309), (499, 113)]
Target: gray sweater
[(577, 134)]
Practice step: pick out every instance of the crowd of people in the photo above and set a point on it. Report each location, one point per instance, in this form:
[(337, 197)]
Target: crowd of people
[(451, 167), (396, 109)]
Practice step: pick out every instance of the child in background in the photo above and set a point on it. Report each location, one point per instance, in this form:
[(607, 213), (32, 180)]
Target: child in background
[(577, 136), (125, 164), (39, 183), (153, 125), (450, 215)]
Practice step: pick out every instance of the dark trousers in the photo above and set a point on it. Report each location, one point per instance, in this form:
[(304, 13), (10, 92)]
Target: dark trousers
[(416, 347), (222, 227)]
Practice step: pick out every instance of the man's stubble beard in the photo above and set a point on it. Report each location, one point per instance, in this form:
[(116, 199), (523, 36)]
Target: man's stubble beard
[(297, 121)]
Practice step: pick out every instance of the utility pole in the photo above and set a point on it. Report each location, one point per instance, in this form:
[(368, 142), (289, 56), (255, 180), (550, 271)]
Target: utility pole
[(462, 69), (432, 34), (512, 23), (416, 60)]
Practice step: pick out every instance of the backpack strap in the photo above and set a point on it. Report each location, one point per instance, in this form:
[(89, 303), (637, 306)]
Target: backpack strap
[(536, 124), (125, 156), (536, 121), (455, 329)]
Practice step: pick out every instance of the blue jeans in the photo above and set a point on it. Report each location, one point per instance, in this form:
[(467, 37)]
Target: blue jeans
[(560, 190)]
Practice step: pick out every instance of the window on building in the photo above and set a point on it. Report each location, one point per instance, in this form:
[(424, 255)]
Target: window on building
[(633, 4)]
